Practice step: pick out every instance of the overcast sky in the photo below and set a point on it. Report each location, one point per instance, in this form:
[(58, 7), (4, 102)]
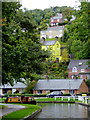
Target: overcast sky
[(42, 4)]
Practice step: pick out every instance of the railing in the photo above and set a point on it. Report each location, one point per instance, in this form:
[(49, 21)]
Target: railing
[(83, 99)]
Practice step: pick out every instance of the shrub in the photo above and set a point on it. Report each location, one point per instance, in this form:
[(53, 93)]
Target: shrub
[(66, 94)]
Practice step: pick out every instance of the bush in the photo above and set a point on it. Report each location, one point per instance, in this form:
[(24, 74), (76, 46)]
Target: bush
[(19, 94), (66, 94), (40, 95)]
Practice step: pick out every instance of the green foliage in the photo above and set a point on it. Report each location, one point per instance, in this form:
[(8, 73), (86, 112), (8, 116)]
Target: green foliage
[(22, 53), (57, 70), (30, 85), (20, 114), (77, 40), (43, 16), (88, 82), (65, 55), (67, 13)]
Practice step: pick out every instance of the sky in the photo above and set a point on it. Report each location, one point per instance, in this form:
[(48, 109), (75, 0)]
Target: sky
[(43, 4)]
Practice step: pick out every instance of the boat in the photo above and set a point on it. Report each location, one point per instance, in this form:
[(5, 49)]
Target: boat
[(24, 100)]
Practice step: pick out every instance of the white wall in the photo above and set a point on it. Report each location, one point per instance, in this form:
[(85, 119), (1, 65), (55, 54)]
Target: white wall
[(13, 90)]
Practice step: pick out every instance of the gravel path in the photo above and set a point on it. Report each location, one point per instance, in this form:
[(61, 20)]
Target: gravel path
[(10, 108)]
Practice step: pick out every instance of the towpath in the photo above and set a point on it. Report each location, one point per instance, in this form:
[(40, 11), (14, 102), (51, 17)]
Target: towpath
[(10, 108)]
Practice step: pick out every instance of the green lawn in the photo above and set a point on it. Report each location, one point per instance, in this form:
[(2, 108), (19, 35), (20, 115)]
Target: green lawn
[(20, 114), (53, 99), (48, 39), (2, 99), (2, 106)]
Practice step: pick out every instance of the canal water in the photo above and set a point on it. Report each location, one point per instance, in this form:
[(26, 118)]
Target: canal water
[(62, 110)]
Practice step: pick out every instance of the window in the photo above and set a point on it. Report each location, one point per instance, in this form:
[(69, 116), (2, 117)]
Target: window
[(50, 31), (82, 70), (72, 76), (46, 47), (30, 99), (57, 49), (52, 20), (49, 52), (60, 30), (39, 91), (81, 76), (71, 92), (50, 36), (57, 20), (74, 69), (80, 63), (18, 99), (57, 59)]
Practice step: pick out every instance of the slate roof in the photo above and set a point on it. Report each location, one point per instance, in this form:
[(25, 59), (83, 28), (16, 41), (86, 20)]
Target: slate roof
[(57, 84), (17, 85), (55, 28), (75, 63), (51, 42)]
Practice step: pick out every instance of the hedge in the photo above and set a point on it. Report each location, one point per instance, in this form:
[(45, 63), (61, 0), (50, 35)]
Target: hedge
[(19, 94), (34, 95)]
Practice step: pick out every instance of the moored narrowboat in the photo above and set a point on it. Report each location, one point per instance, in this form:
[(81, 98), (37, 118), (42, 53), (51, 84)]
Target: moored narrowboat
[(24, 100)]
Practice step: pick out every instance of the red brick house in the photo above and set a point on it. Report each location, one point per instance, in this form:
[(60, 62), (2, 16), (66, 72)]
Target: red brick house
[(55, 20), (78, 68), (72, 86)]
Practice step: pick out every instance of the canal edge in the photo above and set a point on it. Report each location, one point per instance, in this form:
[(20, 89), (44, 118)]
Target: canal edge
[(83, 104), (32, 115), (55, 101)]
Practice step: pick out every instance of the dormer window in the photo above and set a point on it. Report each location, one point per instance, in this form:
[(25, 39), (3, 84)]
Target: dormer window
[(74, 69), (80, 63)]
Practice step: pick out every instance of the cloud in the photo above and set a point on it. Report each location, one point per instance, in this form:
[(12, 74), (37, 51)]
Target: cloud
[(42, 4)]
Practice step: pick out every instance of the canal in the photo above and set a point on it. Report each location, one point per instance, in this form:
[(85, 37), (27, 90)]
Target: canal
[(62, 110)]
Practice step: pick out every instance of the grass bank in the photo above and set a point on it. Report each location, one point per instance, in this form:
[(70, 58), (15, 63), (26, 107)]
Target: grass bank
[(20, 114), (53, 99), (2, 106)]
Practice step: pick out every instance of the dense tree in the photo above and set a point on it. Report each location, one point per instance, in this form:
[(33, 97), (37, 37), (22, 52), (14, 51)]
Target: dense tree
[(22, 54), (65, 56), (67, 13), (46, 14), (78, 43)]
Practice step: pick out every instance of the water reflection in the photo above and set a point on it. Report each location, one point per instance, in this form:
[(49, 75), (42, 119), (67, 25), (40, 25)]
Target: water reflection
[(57, 110)]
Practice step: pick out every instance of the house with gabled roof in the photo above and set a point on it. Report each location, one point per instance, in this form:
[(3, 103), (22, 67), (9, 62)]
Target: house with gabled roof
[(19, 86), (52, 32), (54, 48), (72, 86), (78, 68), (55, 20)]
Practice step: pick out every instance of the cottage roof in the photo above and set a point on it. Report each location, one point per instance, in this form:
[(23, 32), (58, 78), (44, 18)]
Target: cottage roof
[(55, 28), (58, 16), (17, 85), (57, 84), (80, 64), (51, 42)]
